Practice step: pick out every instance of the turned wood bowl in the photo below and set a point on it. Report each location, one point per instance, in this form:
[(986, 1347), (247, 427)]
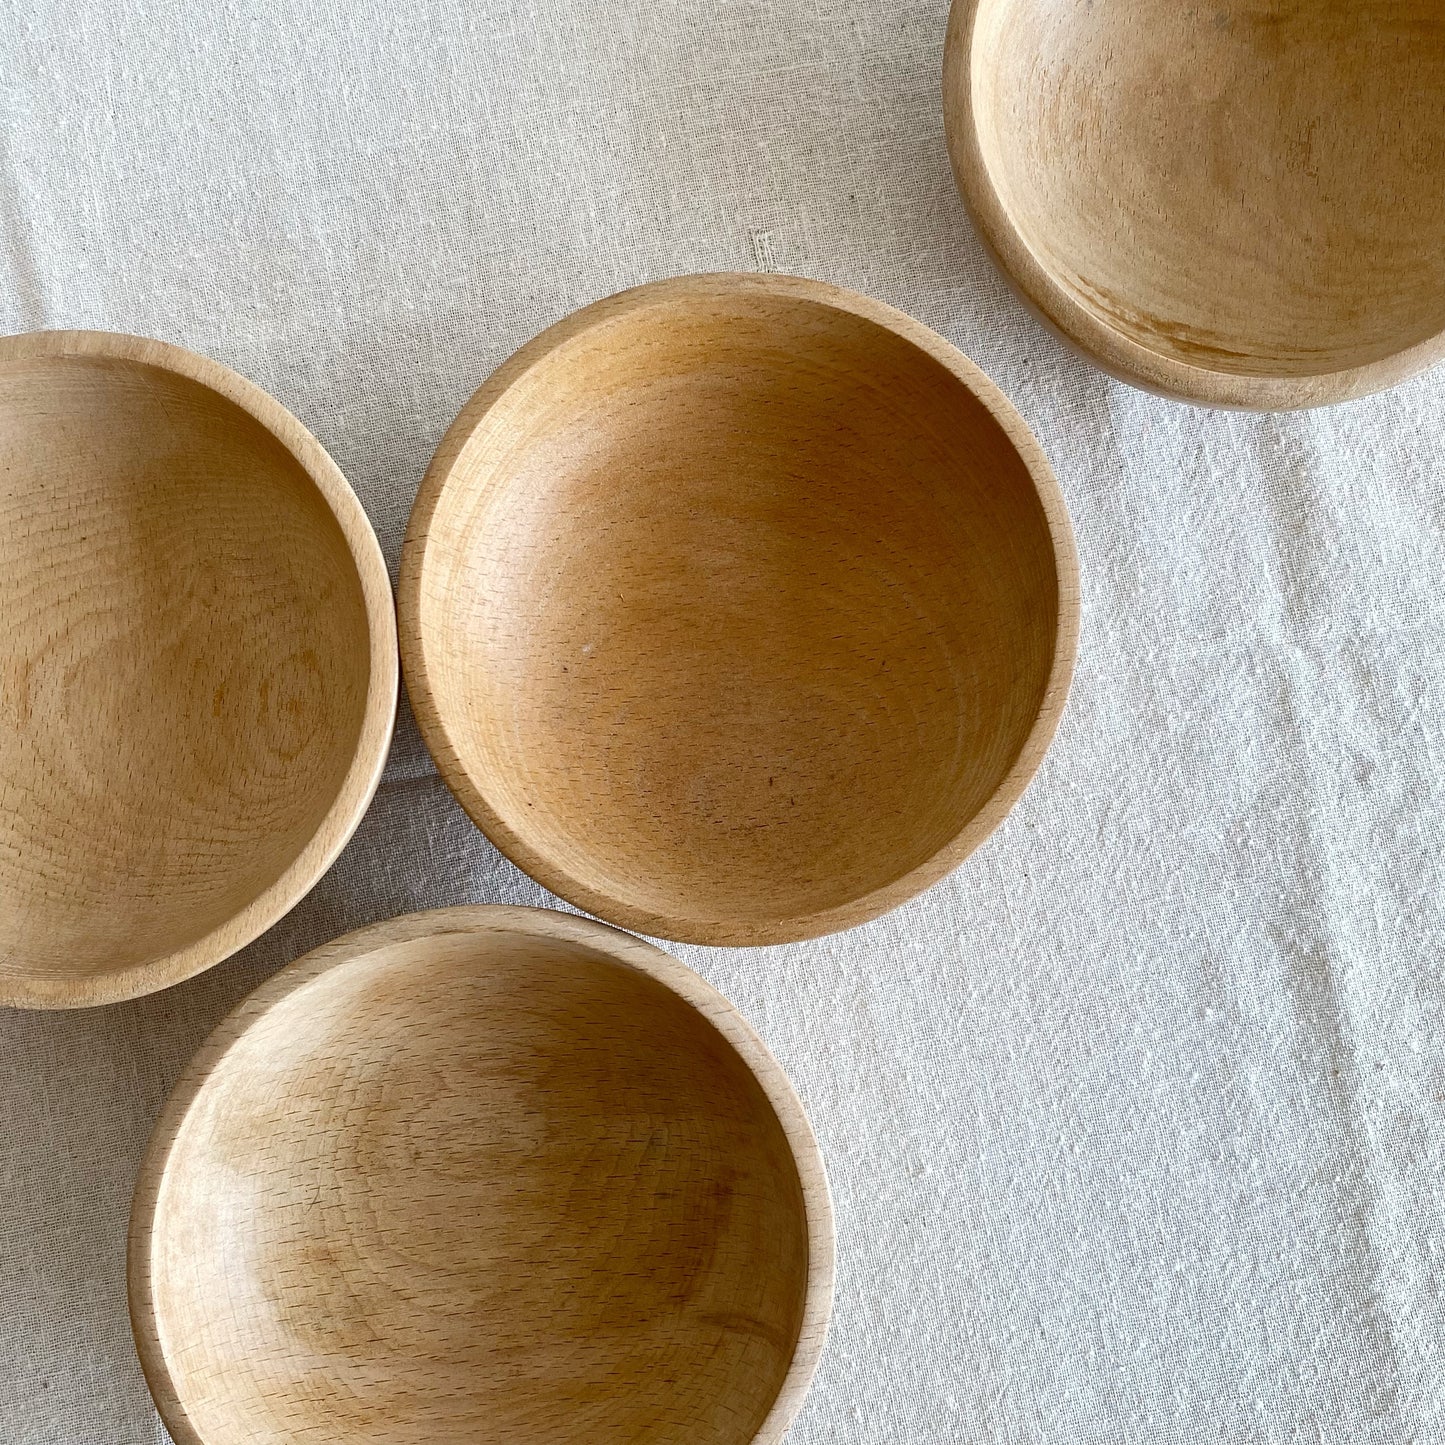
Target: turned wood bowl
[(197, 665), (1236, 202), (738, 609), (493, 1175)]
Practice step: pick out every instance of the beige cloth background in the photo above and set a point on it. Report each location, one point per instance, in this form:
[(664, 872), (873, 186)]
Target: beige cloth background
[(1135, 1123)]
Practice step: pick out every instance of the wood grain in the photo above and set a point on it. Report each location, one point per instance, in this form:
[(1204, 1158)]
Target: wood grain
[(198, 666), (481, 1174), (1239, 202), (738, 609)]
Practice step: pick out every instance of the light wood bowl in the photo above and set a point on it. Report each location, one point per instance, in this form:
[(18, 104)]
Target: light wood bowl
[(738, 609), (198, 665), (1239, 202), (485, 1175)]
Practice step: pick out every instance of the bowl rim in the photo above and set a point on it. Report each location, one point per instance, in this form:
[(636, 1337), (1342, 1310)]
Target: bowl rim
[(1108, 348), (378, 716), (624, 948), (723, 931)]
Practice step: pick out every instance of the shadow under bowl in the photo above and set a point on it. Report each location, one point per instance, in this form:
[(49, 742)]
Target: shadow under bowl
[(738, 609), (1237, 203), (485, 1174), (198, 660)]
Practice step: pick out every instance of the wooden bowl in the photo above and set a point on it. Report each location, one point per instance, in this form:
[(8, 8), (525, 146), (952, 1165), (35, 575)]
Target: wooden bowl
[(738, 609), (1239, 203), (484, 1175), (197, 665)]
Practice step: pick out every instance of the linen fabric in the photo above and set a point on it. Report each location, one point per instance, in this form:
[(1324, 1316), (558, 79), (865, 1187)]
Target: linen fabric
[(1134, 1123)]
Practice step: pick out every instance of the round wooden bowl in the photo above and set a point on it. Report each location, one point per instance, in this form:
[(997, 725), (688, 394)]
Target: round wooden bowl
[(738, 609), (1238, 203), (197, 665), (485, 1175)]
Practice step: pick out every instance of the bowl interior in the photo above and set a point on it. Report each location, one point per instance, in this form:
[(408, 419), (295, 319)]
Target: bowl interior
[(481, 1187), (736, 608), (185, 659), (1249, 186)]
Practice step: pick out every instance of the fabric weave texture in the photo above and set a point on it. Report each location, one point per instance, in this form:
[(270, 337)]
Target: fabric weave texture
[(1136, 1123)]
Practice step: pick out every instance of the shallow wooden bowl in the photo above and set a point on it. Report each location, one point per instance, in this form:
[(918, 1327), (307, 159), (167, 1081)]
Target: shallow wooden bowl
[(1237, 202), (197, 665), (738, 609), (482, 1175)]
